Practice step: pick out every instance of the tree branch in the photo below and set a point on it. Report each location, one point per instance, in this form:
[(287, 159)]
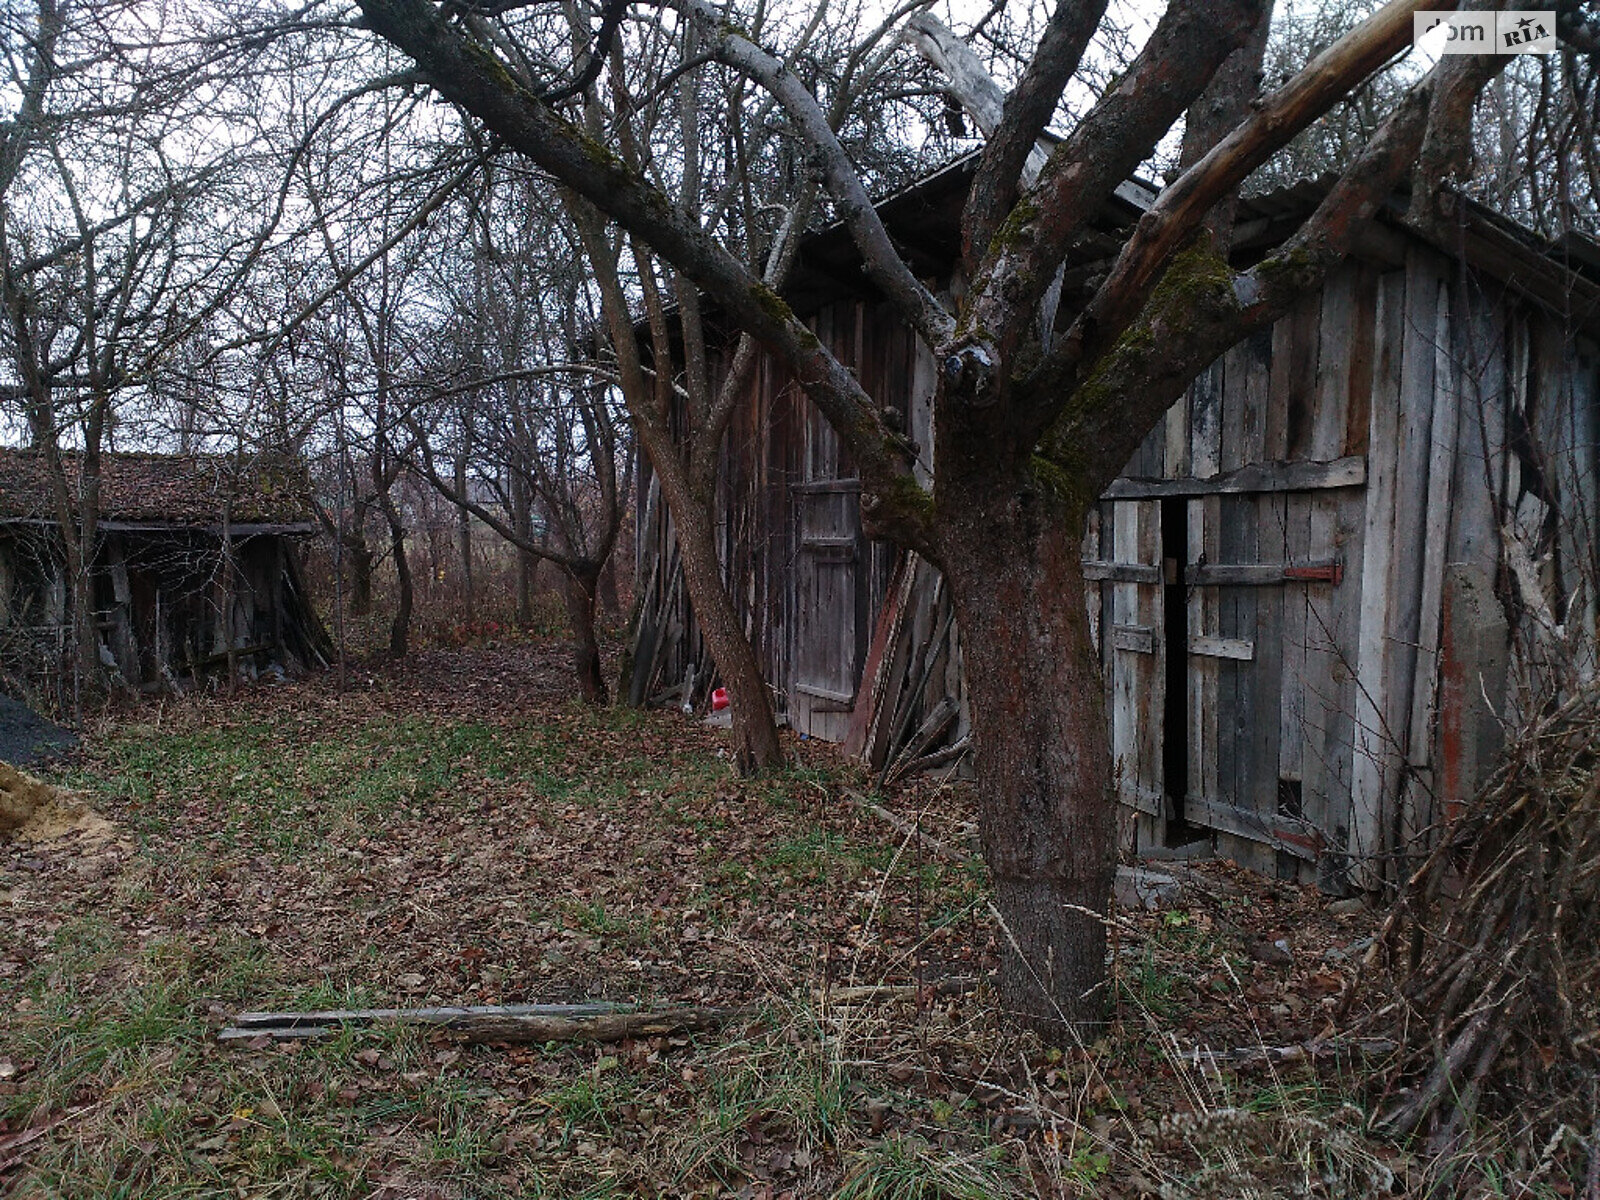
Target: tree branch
[(881, 261), (1201, 307), (1181, 208), (471, 77), (1023, 118), (1188, 45)]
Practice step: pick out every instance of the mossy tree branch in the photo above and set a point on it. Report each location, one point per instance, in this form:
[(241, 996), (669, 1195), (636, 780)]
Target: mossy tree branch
[(1201, 306)]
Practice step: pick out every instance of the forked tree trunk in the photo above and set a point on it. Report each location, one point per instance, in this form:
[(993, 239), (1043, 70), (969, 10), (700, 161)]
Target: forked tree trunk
[(1045, 809), (578, 592)]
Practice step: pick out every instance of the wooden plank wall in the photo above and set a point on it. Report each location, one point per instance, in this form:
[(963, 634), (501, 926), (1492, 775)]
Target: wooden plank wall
[(1330, 725), (776, 442), (1270, 703), (1383, 440)]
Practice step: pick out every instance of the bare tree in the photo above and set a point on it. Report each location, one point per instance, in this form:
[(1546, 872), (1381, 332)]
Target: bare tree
[(531, 426), (738, 174), (111, 253), (1031, 421)]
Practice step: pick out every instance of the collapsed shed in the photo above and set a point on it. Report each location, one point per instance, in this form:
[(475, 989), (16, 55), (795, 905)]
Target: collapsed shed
[(194, 566), (1359, 548)]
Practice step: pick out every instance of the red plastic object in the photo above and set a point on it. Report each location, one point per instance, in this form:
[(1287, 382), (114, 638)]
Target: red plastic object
[(719, 699)]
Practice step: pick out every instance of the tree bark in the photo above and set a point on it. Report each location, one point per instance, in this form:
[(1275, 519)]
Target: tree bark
[(400, 627), (522, 522), (755, 733), (360, 559), (578, 591), (1046, 814), (464, 536), (610, 600)]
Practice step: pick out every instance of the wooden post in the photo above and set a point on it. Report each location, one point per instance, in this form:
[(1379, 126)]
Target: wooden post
[(1374, 768)]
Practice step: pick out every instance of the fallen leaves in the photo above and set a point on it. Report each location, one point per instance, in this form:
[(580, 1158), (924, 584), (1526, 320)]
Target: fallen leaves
[(458, 834)]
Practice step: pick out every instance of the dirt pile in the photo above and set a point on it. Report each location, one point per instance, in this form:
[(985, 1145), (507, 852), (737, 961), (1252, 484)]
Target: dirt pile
[(34, 811)]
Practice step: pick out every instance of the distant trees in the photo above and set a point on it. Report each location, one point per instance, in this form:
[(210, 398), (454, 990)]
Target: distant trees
[(120, 234), (515, 421)]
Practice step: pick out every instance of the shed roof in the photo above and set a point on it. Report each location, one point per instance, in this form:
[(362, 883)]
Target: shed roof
[(165, 490), (924, 220), (1561, 273)]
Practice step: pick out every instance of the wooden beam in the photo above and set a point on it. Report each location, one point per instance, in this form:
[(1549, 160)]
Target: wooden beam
[(1238, 649), (1263, 574), (1139, 639), (1099, 571), (488, 1023), (1298, 838), (1571, 296), (1141, 799), (846, 699), (1250, 479)]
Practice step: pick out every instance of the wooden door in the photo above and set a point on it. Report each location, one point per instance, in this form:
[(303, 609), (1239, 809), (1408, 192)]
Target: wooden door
[(1270, 633), (830, 625)]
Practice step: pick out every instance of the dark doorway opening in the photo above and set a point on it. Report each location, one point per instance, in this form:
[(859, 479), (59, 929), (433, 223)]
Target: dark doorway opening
[(1175, 638)]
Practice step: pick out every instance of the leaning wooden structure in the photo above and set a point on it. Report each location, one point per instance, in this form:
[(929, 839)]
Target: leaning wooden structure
[(195, 566), (1360, 548)]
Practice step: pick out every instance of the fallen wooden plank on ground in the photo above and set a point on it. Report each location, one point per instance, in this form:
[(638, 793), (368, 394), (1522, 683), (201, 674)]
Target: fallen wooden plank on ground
[(1311, 1051), (490, 1023), (870, 993)]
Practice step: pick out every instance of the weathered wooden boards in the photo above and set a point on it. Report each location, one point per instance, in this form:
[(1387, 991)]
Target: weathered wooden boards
[(1135, 679), (911, 712), (489, 1023), (806, 580), (1363, 539)]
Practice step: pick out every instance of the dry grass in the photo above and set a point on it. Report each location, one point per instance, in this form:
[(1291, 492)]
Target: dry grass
[(454, 832)]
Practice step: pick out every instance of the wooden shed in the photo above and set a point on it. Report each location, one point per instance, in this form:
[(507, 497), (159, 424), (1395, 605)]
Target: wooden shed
[(194, 567), (1359, 549)]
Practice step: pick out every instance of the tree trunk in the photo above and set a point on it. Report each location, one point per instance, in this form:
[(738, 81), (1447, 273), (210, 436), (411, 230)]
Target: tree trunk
[(230, 639), (1046, 813), (80, 579), (690, 500), (79, 527), (522, 522), (578, 591), (400, 628), (755, 734), (610, 602), (464, 540), (360, 558)]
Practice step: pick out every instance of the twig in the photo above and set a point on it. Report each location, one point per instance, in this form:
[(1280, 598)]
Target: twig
[(928, 842)]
